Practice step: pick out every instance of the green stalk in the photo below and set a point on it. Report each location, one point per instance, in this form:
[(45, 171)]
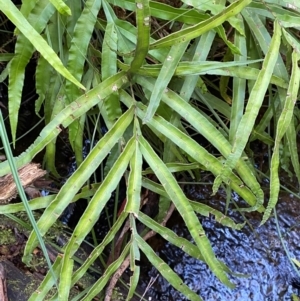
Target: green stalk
[(21, 192)]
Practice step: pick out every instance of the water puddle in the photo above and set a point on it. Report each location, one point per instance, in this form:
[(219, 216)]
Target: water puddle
[(257, 253)]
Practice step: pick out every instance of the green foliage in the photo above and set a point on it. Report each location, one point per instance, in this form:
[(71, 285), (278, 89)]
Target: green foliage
[(150, 85)]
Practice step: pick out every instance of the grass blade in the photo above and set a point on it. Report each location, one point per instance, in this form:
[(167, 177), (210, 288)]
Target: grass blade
[(135, 258), (15, 16), (109, 68), (166, 271), (195, 31), (38, 18), (143, 34), (239, 88), (209, 131), (65, 117), (283, 124), (165, 75), (96, 205), (193, 149), (184, 208), (255, 101), (61, 7), (82, 174), (22, 194), (135, 179)]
